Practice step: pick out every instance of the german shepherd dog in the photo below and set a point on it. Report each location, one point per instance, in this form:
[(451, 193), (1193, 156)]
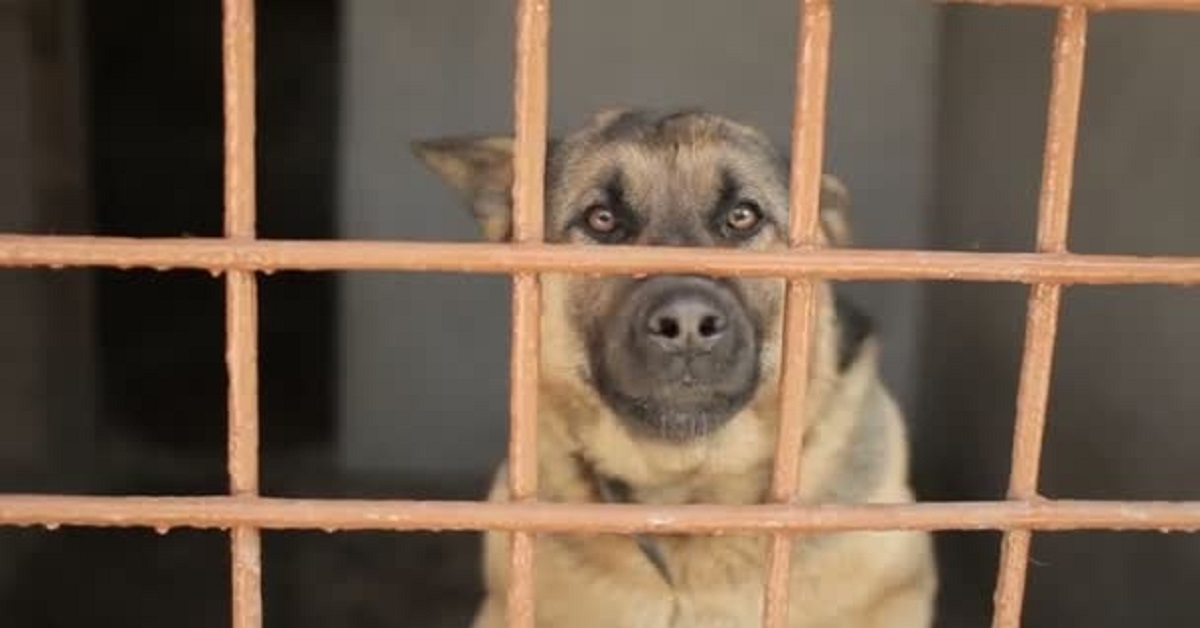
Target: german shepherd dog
[(664, 389)]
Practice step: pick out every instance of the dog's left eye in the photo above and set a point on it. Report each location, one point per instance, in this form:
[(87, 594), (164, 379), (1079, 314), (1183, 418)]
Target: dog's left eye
[(600, 219), (743, 219), (604, 224)]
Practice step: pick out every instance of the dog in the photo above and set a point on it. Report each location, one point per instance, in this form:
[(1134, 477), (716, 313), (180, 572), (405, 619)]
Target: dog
[(663, 389)]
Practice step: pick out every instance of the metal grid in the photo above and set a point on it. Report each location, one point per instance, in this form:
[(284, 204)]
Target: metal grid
[(240, 256)]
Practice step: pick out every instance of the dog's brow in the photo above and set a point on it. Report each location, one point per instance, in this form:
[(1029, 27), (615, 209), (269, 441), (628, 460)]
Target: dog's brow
[(614, 191), (614, 185), (729, 191)]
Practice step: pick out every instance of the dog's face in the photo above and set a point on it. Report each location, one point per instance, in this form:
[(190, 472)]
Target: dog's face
[(671, 356)]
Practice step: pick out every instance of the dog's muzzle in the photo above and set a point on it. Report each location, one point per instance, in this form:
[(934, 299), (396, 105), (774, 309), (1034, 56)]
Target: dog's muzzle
[(679, 356)]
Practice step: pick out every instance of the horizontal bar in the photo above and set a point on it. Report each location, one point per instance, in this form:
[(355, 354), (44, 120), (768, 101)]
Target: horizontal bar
[(222, 512), (1091, 5), (217, 254)]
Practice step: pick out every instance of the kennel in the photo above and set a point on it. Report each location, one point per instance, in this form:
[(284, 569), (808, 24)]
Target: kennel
[(241, 256)]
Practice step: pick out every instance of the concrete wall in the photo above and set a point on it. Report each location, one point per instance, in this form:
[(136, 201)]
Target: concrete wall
[(425, 358), (1124, 401), (46, 392), (45, 377), (20, 386)]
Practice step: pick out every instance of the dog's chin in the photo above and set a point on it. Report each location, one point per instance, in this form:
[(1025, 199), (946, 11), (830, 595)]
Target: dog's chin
[(669, 419)]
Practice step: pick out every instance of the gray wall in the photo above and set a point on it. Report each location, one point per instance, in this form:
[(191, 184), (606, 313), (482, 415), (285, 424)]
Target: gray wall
[(1124, 402), (425, 358), (19, 386), (45, 376), (47, 417)]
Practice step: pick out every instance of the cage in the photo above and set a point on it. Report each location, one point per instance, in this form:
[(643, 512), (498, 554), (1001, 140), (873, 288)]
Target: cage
[(135, 122)]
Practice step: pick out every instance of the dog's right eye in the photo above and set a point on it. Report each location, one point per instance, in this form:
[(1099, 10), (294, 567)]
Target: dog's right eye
[(604, 224), (601, 219)]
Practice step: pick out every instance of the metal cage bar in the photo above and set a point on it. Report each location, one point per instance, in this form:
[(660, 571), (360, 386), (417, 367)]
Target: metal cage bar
[(164, 513), (241, 255), (1092, 5), (1062, 129), (220, 512), (216, 255), (801, 300), (241, 312), (530, 109)]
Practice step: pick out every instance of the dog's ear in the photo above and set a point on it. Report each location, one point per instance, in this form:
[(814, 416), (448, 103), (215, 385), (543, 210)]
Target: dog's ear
[(481, 168), (835, 210)]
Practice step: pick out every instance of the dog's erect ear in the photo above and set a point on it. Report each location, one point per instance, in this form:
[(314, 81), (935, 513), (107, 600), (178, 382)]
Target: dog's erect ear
[(835, 210), (480, 167)]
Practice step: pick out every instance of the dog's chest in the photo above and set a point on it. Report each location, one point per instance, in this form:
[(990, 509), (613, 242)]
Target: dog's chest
[(714, 582), (702, 582)]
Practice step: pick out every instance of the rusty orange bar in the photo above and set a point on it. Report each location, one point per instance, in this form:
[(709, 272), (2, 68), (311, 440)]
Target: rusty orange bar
[(241, 314), (1070, 45), (530, 112), (801, 300), (224, 511), (215, 255), (1091, 5)]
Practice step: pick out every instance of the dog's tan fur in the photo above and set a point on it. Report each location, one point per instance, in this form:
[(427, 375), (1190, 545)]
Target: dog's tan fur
[(855, 446)]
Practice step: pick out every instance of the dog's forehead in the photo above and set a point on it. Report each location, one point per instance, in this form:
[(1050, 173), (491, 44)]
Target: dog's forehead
[(682, 130), (682, 155)]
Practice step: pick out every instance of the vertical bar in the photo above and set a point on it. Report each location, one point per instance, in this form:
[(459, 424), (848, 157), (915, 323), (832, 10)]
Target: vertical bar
[(1041, 324), (530, 113), (800, 303), (241, 313)]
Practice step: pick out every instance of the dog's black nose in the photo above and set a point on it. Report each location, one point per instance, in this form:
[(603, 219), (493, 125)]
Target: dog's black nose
[(680, 354), (688, 322)]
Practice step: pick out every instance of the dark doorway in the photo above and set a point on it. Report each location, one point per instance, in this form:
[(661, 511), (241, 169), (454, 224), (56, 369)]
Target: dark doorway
[(154, 87)]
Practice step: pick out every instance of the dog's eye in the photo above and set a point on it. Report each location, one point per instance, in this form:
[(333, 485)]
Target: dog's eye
[(743, 218), (601, 219), (604, 224)]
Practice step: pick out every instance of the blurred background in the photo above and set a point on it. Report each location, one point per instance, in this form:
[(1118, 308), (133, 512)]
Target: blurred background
[(395, 385)]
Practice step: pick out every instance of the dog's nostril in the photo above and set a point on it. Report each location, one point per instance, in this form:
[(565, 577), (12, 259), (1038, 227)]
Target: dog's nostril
[(666, 327), (711, 325), (687, 323)]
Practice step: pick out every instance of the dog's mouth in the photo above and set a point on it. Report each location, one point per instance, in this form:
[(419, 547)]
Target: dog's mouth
[(677, 359)]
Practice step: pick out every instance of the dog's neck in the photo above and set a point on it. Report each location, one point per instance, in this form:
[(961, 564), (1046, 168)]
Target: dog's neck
[(851, 396), (726, 470), (615, 491)]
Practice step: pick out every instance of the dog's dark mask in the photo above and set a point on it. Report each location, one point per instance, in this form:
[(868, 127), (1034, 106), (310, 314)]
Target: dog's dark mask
[(677, 356)]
